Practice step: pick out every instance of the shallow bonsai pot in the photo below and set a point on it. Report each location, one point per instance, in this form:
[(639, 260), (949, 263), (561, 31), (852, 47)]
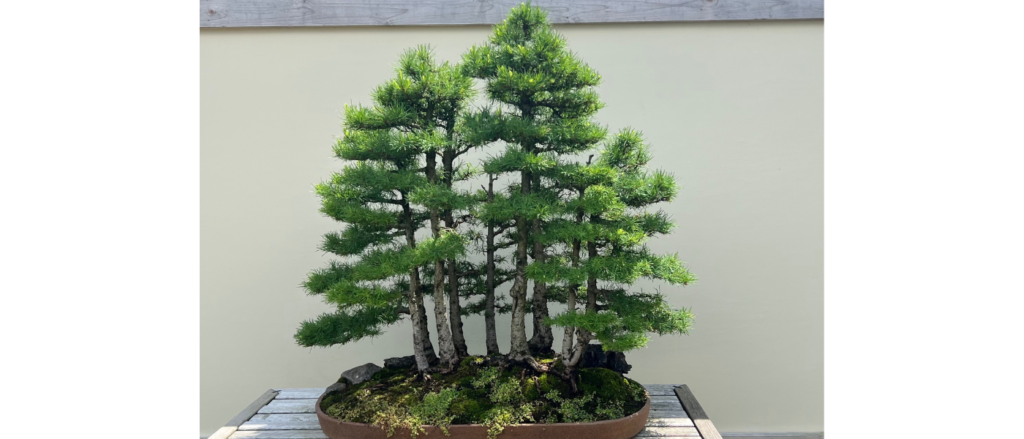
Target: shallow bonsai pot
[(622, 428)]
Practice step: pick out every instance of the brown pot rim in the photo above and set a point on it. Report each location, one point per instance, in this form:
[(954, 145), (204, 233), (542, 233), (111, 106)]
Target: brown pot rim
[(607, 425)]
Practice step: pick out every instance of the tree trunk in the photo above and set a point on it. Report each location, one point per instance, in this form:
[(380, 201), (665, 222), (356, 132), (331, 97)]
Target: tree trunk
[(583, 336), (489, 323), (445, 345), (428, 347), (520, 350), (455, 311), (454, 304), (420, 337), (421, 347), (570, 303), (540, 343)]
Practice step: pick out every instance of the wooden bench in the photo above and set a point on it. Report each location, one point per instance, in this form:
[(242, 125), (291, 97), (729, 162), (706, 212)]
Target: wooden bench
[(289, 414)]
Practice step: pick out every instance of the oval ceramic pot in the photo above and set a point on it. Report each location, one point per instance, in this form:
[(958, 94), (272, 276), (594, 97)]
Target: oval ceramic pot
[(622, 428)]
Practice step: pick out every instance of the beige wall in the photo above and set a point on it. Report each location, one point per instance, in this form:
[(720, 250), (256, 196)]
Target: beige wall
[(734, 110)]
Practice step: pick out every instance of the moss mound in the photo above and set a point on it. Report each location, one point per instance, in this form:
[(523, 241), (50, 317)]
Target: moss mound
[(475, 393)]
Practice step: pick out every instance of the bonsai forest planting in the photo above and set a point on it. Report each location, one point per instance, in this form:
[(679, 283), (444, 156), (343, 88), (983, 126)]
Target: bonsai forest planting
[(558, 213)]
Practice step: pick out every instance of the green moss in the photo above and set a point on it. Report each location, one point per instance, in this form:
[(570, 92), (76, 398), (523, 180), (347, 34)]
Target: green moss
[(470, 409), (605, 383), (550, 382), (387, 373), (476, 394)]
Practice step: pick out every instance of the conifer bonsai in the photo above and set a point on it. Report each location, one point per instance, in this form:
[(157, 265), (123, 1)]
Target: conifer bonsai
[(563, 205)]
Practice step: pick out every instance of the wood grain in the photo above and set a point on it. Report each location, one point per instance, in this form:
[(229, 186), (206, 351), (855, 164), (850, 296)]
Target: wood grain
[(696, 412), (279, 434), (666, 406), (301, 393), (291, 421), (288, 13), (669, 422), (669, 432), (244, 415), (661, 389), (290, 406)]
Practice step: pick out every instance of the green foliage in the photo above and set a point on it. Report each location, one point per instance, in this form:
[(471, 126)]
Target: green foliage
[(447, 245), (434, 409), (384, 195), (572, 410), (589, 198), (345, 326)]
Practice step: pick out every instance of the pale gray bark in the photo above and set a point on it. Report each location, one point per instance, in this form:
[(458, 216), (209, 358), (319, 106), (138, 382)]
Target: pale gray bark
[(542, 338), (418, 335), (489, 323), (454, 304), (417, 314), (583, 336), (520, 346), (568, 339), (570, 301), (455, 311), (445, 345), (424, 324)]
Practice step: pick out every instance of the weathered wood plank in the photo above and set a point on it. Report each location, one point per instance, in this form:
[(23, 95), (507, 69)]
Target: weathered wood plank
[(661, 414), (669, 432), (292, 421), (279, 434), (289, 406), (663, 398), (263, 13), (660, 389), (301, 393), (696, 412), (246, 413), (669, 422), (666, 405)]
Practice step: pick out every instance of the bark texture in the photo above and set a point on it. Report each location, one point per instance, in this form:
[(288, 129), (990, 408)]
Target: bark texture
[(542, 339), (489, 323), (520, 349), (454, 304), (445, 345), (422, 349), (455, 311)]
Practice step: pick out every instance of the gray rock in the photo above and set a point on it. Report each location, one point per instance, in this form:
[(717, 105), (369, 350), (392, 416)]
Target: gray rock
[(336, 387), (400, 362), (596, 356), (359, 374), (617, 362)]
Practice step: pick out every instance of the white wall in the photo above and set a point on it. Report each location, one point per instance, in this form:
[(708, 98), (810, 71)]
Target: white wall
[(734, 110)]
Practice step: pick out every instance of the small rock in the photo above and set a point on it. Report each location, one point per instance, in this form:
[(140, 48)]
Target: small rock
[(596, 356), (400, 362), (617, 362), (336, 387), (359, 374)]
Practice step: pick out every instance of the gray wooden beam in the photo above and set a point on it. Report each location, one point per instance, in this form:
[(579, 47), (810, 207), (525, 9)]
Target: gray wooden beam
[(246, 413), (289, 13), (693, 409)]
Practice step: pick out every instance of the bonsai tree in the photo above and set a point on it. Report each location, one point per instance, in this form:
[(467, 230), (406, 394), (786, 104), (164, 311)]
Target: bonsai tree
[(602, 226), (576, 226), (545, 99), (392, 188)]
